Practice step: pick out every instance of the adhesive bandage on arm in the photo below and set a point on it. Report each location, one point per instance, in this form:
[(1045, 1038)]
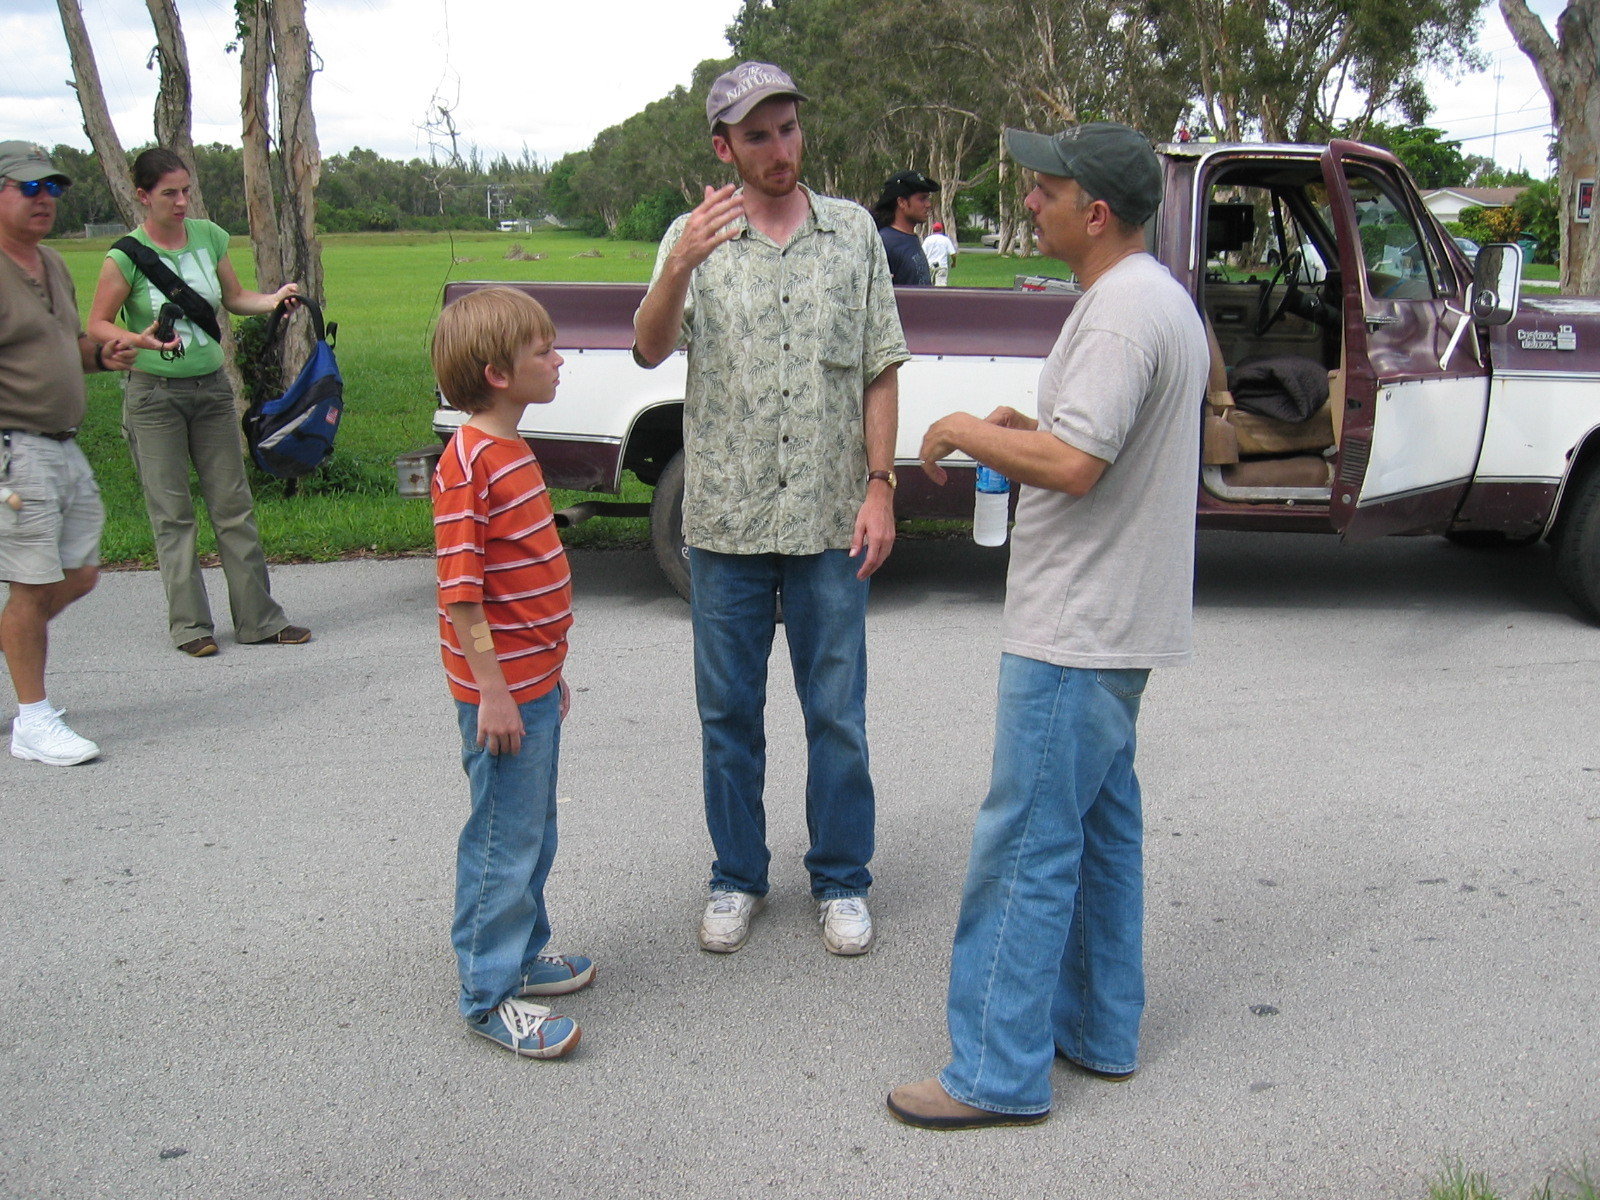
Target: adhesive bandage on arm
[(481, 639)]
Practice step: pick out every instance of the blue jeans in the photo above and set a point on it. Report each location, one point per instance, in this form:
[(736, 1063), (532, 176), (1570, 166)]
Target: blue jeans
[(504, 854), (734, 600), (1048, 950)]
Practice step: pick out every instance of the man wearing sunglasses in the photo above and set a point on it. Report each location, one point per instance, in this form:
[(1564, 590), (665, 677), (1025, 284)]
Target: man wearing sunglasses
[(50, 511)]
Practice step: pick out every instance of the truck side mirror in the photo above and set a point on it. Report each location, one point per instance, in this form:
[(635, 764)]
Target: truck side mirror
[(1497, 283)]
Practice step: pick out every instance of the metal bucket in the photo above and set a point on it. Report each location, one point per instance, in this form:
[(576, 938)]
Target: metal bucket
[(415, 471)]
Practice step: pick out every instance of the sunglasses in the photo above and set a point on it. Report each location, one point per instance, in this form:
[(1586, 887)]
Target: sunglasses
[(33, 187)]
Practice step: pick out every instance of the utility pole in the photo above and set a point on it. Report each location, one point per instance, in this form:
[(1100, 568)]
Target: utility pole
[(1494, 137), (494, 200)]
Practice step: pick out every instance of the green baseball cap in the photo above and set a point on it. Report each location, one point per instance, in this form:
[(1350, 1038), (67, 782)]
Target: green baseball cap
[(1110, 162), (25, 162)]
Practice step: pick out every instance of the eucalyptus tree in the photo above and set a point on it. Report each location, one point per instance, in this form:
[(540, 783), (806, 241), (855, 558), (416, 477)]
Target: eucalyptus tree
[(1294, 70), (1567, 65), (1068, 62), (891, 88)]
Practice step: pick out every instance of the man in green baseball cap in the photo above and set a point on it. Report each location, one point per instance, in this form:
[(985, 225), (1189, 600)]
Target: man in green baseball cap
[(1047, 961)]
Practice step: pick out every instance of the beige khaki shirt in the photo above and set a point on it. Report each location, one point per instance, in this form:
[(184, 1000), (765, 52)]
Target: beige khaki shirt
[(41, 368), (782, 343)]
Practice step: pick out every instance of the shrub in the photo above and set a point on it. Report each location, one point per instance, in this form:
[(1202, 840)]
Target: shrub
[(1484, 225), (1539, 208), (648, 219)]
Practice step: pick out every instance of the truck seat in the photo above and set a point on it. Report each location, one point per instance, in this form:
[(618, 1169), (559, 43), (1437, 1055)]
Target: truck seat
[(1232, 434), (1294, 471)]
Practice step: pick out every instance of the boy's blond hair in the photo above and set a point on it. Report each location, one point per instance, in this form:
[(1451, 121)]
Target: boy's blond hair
[(488, 327)]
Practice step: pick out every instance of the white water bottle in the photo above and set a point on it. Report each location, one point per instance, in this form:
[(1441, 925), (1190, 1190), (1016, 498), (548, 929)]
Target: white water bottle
[(991, 508)]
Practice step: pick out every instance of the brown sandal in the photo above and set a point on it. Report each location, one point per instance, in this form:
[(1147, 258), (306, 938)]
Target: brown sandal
[(289, 635)]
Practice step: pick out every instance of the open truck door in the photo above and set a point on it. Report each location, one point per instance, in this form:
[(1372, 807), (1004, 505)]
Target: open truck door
[(1416, 390)]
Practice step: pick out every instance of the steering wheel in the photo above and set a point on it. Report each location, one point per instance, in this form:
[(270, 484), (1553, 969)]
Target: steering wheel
[(1287, 274)]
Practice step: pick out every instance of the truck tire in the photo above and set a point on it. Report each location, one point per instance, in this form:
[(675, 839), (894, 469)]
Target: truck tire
[(666, 526), (1577, 544)]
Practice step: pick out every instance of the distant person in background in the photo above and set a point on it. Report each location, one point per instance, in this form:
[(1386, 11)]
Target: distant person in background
[(179, 410), (50, 510), (939, 251), (902, 206)]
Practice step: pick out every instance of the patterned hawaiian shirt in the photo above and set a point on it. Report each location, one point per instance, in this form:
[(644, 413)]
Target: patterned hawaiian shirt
[(782, 342)]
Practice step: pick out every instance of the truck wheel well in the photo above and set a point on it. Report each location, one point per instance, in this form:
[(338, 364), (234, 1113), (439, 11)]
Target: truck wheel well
[(1585, 462), (655, 437)]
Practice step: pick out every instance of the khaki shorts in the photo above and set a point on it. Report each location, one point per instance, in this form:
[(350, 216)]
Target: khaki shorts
[(58, 527)]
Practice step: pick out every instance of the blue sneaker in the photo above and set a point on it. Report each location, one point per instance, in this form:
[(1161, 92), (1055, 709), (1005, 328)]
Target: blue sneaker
[(527, 1029), (556, 975)]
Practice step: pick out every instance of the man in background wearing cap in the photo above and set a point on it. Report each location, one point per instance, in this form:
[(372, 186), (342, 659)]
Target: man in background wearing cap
[(939, 249), (784, 301), (50, 511), (1048, 953), (901, 207)]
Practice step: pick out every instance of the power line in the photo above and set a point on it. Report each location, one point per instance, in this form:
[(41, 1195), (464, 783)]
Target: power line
[(1478, 137)]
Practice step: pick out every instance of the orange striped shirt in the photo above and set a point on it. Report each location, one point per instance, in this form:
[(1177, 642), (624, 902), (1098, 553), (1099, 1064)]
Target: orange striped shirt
[(497, 546)]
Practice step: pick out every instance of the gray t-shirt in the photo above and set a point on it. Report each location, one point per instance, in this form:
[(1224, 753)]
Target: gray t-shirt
[(1107, 579)]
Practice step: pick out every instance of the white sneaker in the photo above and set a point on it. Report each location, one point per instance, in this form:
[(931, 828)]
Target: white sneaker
[(846, 925), (726, 921), (50, 741)]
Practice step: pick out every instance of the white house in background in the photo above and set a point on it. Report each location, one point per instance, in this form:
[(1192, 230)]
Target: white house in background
[(1447, 203)]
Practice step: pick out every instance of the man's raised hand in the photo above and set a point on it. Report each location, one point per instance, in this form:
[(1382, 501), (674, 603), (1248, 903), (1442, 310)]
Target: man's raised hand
[(713, 222)]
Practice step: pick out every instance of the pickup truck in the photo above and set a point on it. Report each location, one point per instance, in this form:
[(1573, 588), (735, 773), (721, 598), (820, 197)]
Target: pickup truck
[(1454, 405)]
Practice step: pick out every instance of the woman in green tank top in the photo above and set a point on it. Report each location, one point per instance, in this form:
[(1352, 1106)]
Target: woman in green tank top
[(179, 410)]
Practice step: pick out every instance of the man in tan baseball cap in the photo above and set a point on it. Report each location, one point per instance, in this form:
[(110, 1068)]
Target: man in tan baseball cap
[(52, 515)]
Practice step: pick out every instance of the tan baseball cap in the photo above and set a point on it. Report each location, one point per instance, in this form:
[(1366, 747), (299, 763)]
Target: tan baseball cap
[(25, 162)]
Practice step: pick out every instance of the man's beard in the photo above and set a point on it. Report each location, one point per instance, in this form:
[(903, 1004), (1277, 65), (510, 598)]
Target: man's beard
[(788, 176)]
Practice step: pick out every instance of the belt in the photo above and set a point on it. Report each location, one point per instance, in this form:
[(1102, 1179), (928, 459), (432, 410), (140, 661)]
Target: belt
[(65, 435)]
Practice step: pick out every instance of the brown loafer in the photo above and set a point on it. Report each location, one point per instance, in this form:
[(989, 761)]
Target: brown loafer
[(928, 1106), (200, 647), (289, 635)]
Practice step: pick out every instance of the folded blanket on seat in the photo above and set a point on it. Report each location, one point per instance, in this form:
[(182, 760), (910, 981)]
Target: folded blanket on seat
[(1288, 387)]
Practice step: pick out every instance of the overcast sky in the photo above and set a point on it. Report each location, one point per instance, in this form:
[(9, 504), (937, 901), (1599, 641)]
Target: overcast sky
[(548, 80)]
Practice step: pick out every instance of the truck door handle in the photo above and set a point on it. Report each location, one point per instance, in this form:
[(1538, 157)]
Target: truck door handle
[(1376, 319)]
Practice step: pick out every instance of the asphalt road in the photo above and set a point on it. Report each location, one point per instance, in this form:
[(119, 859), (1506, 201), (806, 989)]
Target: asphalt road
[(1373, 810)]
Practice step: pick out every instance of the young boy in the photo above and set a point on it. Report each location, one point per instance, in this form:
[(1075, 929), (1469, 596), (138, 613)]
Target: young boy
[(505, 603)]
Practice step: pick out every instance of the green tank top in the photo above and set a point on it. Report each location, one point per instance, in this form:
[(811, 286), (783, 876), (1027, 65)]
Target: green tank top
[(196, 264)]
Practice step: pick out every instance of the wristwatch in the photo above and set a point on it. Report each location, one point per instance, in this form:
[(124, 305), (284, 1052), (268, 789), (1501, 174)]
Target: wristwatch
[(887, 476)]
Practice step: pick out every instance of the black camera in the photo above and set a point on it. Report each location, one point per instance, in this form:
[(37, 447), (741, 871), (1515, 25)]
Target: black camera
[(166, 321)]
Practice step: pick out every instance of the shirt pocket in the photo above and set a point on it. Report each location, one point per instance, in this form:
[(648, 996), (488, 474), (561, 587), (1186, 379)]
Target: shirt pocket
[(843, 321)]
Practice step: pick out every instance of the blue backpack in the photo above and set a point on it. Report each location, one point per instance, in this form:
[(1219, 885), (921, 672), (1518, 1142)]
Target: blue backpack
[(292, 435)]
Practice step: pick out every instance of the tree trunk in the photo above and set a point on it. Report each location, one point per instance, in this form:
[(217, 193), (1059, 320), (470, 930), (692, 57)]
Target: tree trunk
[(1567, 69), (174, 119), (255, 70), (96, 117), (297, 145)]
